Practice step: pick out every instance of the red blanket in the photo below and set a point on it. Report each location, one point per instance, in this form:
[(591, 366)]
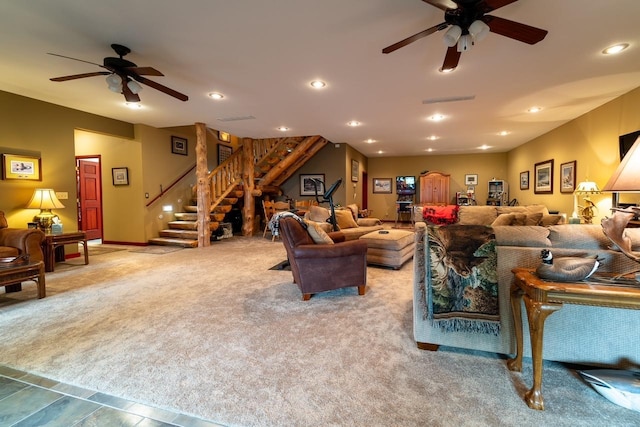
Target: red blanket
[(440, 215)]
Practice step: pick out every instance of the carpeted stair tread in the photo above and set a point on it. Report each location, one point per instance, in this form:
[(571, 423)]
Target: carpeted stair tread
[(185, 243), (180, 234), (191, 225)]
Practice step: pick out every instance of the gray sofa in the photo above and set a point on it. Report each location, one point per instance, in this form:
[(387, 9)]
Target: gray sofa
[(574, 334)]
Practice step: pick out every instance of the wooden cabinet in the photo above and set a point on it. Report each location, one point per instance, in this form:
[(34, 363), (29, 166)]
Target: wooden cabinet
[(434, 189)]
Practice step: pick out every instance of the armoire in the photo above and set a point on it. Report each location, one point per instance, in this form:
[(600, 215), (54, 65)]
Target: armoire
[(434, 189)]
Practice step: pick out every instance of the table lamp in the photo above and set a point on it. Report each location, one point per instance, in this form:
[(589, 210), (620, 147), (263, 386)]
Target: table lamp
[(586, 188), (44, 199), (627, 177)]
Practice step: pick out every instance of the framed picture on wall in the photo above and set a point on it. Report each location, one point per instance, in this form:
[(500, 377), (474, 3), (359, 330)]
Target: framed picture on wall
[(120, 176), (568, 177), (308, 184), (179, 145), (224, 152), (21, 167), (355, 171), (471, 179), (382, 185), (543, 174), (524, 180)]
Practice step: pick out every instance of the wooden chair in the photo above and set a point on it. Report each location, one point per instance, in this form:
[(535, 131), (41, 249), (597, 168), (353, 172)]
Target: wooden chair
[(268, 207)]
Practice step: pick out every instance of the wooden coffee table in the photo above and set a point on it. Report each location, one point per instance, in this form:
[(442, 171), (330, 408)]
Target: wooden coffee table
[(30, 271), (543, 298)]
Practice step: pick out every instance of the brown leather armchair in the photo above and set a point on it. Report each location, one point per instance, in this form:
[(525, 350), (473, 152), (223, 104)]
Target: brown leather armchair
[(19, 241), (319, 267)]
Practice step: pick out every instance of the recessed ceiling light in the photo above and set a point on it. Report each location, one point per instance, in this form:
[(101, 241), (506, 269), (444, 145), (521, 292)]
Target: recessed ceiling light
[(534, 109), (503, 133), (370, 141), (317, 84), (133, 105), (484, 147), (283, 128), (616, 48), (437, 118), (433, 137), (353, 123), (429, 150), (216, 95), (380, 152)]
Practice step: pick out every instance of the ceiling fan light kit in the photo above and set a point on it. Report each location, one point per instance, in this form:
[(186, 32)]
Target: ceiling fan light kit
[(119, 71), (469, 23)]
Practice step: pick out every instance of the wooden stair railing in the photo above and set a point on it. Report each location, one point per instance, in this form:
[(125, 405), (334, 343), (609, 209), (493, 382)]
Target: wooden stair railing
[(224, 178)]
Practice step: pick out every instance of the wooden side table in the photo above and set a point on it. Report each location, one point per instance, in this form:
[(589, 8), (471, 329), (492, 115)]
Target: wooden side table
[(542, 298), (53, 240), (31, 271)]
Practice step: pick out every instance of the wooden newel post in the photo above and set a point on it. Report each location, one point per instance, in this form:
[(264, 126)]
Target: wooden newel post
[(202, 187), (248, 177)]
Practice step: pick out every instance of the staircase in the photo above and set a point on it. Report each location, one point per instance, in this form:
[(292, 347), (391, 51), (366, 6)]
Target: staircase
[(275, 161)]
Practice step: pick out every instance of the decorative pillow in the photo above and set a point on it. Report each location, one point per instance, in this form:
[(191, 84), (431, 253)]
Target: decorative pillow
[(548, 220), (317, 233), (344, 218), (319, 214), (504, 219), (527, 219), (354, 210)]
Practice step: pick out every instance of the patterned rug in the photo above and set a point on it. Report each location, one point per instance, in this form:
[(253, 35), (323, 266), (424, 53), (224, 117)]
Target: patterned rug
[(156, 250)]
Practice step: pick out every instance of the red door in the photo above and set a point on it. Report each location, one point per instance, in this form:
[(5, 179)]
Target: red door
[(89, 197)]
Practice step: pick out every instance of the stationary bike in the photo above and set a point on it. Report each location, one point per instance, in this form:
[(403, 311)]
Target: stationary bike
[(328, 197)]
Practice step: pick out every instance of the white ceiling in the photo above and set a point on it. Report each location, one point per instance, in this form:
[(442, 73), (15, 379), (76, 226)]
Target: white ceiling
[(263, 54)]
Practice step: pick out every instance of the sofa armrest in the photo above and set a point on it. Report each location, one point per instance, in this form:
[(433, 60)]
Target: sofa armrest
[(28, 241), (368, 222), (343, 249)]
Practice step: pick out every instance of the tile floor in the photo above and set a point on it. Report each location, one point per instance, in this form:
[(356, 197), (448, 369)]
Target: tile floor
[(31, 400)]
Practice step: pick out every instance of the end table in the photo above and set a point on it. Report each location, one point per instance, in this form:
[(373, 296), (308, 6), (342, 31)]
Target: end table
[(53, 240)]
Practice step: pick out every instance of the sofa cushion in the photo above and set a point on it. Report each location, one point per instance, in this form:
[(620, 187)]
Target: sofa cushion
[(504, 219), (319, 214), (8, 251), (477, 215), (548, 220), (527, 219), (368, 222), (317, 233), (3, 220), (590, 236), (525, 235), (344, 218)]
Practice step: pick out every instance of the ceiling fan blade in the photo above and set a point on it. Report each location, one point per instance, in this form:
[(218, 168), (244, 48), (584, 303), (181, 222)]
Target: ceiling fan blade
[(161, 88), (128, 95), (442, 4), (75, 59), (145, 71), (496, 4), (515, 30), (451, 59), (414, 37), (79, 76)]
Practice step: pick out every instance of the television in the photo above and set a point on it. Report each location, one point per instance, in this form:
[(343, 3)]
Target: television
[(405, 185), (627, 141)]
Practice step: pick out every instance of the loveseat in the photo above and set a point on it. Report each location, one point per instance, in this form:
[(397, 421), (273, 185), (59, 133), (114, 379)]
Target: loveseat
[(574, 334), (347, 218)]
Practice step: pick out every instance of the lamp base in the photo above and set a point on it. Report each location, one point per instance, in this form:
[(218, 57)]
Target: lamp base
[(45, 220)]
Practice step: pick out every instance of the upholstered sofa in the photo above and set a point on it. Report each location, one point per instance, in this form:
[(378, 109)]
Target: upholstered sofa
[(487, 215), (347, 218), (574, 334)]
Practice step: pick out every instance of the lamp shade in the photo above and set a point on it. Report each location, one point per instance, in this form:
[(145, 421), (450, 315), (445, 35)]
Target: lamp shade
[(587, 187), (627, 176), (44, 198)]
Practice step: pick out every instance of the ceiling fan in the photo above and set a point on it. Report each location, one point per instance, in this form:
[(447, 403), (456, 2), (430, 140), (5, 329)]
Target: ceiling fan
[(470, 23), (123, 75)]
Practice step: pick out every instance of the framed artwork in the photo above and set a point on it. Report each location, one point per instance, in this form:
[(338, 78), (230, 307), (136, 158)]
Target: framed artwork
[(543, 173), (224, 136), (355, 171), (120, 176), (179, 145), (471, 179), (308, 184), (568, 177), (524, 180), (224, 152), (21, 167), (382, 185)]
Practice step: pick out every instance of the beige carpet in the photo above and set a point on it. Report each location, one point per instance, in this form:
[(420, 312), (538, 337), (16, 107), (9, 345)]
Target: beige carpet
[(216, 334)]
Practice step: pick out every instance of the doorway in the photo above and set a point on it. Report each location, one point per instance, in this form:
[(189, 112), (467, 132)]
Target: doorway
[(89, 182)]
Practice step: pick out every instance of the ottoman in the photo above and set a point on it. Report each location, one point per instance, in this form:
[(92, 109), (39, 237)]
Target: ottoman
[(389, 248)]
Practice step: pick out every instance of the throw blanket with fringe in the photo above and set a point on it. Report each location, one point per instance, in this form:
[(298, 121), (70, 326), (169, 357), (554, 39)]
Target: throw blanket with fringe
[(440, 215), (274, 223), (462, 279)]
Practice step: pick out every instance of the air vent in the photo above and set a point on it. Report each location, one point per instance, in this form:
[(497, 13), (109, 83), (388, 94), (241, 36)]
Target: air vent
[(235, 119), (448, 99)]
